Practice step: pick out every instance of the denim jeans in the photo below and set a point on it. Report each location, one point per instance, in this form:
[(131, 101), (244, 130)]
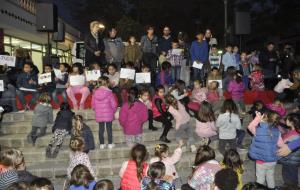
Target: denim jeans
[(198, 74), (21, 94), (108, 127), (175, 72), (61, 91)]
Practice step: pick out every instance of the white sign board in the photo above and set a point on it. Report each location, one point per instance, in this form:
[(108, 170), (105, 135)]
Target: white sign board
[(219, 81), (177, 51), (198, 65), (77, 80), (92, 75), (44, 78), (27, 89), (58, 73), (8, 60), (1, 86), (127, 73), (143, 78)]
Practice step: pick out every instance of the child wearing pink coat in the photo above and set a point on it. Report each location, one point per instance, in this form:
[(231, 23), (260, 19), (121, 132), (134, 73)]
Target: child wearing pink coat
[(278, 107), (105, 105), (237, 88), (133, 115)]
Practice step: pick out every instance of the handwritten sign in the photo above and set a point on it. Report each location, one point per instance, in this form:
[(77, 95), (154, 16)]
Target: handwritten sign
[(58, 73), (198, 65), (142, 78), (1, 86), (77, 80), (219, 81), (44, 78), (127, 73), (177, 51), (8, 60), (92, 75)]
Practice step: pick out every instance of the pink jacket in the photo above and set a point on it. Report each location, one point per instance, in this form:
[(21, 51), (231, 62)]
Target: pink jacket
[(170, 163), (199, 95), (104, 104), (213, 96), (132, 119), (180, 115), (279, 109), (236, 89), (207, 129)]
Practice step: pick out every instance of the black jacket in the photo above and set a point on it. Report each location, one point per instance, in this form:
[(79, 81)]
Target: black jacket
[(268, 60), (164, 44), (26, 176), (91, 46), (63, 120), (87, 135)]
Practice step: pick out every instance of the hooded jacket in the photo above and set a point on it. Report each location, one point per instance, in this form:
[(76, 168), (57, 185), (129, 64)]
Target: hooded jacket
[(43, 114), (63, 120)]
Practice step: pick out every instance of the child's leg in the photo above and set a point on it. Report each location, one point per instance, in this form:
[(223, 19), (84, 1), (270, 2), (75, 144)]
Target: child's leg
[(167, 124), (290, 174), (54, 96), (32, 135), (173, 73), (178, 68), (21, 95), (35, 96), (261, 170), (42, 132), (150, 119), (71, 91), (242, 105), (138, 138), (64, 94), (117, 92), (130, 140), (190, 133), (85, 92), (232, 144), (240, 135), (101, 132), (270, 174), (109, 132), (222, 144)]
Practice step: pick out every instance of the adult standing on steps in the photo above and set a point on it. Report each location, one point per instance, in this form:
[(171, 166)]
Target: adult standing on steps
[(94, 46), (165, 42)]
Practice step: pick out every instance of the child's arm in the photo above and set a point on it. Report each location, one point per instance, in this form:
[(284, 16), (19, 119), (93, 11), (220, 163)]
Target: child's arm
[(123, 169), (252, 126), (88, 164), (123, 116), (50, 116), (280, 142), (176, 155), (144, 113)]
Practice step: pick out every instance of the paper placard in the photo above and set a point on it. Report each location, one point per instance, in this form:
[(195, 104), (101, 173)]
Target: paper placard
[(127, 73), (219, 81), (143, 78), (58, 73), (177, 51), (1, 86), (197, 65), (8, 60), (77, 80), (92, 75), (45, 78), (27, 89)]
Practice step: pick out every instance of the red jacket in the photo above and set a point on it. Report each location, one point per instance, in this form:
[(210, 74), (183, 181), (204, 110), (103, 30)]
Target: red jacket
[(155, 109)]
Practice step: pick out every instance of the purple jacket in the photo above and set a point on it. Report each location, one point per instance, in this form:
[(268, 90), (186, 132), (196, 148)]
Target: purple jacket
[(104, 105), (132, 119), (236, 89), (294, 144)]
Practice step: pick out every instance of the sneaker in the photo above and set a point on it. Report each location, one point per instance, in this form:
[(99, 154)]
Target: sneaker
[(110, 146), (193, 148), (102, 146)]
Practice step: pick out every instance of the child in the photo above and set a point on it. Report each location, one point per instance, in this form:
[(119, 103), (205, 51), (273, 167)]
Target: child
[(182, 118), (77, 70), (160, 113), (257, 79), (213, 93), (229, 58), (132, 52), (104, 184), (104, 104), (77, 156), (278, 107), (61, 128), (179, 91), (198, 96), (126, 84), (154, 180), (43, 114), (237, 55), (214, 75), (175, 57), (237, 88), (205, 123), (133, 114), (114, 78), (27, 83), (145, 98), (228, 77), (134, 170), (291, 162), (161, 153), (231, 181), (264, 145), (48, 87), (164, 77), (232, 160), (257, 106), (92, 84), (8, 174), (148, 86), (80, 129), (228, 123), (245, 68), (214, 58), (41, 183), (81, 178), (204, 169), (61, 82)]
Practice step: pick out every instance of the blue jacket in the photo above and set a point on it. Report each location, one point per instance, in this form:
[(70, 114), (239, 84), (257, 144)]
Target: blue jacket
[(23, 80), (199, 51), (264, 143), (168, 79), (81, 187)]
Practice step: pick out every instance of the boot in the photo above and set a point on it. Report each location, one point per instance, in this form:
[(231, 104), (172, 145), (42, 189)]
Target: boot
[(49, 151), (152, 128), (164, 139)]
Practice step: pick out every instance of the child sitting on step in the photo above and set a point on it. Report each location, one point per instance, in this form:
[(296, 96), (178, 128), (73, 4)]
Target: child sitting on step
[(42, 115), (161, 153), (134, 170), (61, 128), (133, 115), (77, 156), (80, 129), (81, 178), (183, 126)]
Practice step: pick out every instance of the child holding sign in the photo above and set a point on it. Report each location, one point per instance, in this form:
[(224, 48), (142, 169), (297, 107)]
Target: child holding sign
[(47, 87), (126, 83), (27, 83), (61, 80), (77, 85)]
